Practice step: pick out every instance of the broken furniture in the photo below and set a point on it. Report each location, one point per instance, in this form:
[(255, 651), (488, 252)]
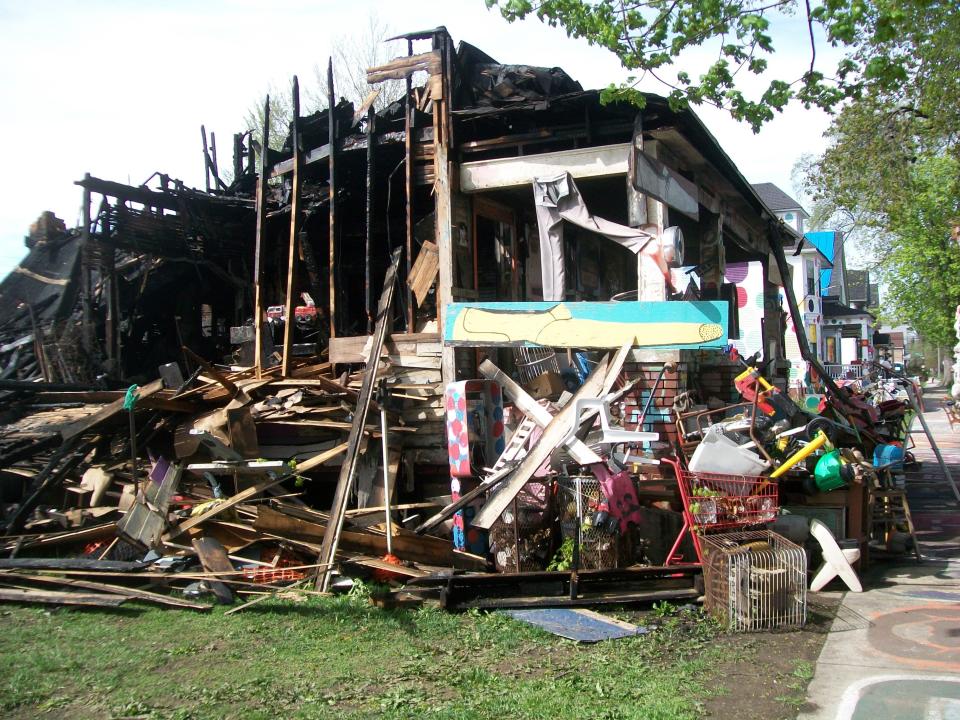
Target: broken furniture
[(837, 561)]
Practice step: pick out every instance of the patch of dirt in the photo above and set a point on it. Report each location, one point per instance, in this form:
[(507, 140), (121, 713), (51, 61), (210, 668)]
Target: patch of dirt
[(768, 673)]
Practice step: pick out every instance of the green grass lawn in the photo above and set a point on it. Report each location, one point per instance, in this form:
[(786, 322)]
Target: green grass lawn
[(341, 657)]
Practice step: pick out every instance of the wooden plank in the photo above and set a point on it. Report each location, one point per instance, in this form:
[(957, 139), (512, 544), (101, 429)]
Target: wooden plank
[(129, 592), (403, 67), (77, 563), (332, 185), (214, 559), (603, 161), (49, 597), (108, 412), (443, 192), (143, 524), (84, 535), (218, 377), (258, 309), (250, 492), (291, 288), (356, 349), (424, 271), (534, 410), (488, 484), (603, 325), (349, 468), (320, 458), (406, 544), (649, 175), (367, 103), (552, 436)]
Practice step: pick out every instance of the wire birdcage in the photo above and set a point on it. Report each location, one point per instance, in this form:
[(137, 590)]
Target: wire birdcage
[(521, 539), (531, 362), (582, 496), (755, 580)]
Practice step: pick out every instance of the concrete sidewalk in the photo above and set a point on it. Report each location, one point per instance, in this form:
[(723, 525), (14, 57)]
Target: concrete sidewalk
[(894, 651)]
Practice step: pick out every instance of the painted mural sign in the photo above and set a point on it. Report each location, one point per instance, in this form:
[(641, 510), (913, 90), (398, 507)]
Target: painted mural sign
[(667, 325)]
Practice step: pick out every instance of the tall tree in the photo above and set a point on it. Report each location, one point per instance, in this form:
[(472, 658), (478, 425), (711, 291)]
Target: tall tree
[(352, 55), (891, 172), (657, 38)]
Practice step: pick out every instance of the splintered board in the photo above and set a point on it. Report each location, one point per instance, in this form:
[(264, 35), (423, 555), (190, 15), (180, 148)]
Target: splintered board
[(603, 325)]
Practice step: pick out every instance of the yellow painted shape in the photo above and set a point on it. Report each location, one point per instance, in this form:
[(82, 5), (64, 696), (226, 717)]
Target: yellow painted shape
[(558, 328)]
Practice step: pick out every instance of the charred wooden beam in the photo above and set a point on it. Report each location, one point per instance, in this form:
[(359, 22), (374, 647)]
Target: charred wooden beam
[(258, 242), (206, 159), (332, 230), (408, 189), (367, 292), (294, 231), (402, 68)]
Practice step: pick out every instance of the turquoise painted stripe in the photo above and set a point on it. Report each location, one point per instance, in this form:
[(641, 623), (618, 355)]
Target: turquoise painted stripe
[(701, 311)]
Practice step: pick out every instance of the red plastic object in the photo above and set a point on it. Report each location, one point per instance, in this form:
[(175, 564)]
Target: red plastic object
[(713, 502), (269, 575)]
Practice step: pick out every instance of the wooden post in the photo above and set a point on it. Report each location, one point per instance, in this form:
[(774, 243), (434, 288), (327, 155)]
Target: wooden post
[(367, 292), (109, 267), (213, 160), (237, 155), (294, 230), (258, 246), (348, 469), (408, 188), (445, 254), (206, 159), (332, 141), (86, 335)]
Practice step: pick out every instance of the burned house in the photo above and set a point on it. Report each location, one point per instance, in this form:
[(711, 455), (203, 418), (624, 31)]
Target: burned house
[(497, 221)]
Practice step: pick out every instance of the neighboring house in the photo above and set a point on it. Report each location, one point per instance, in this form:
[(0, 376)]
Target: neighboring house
[(895, 343), (808, 262), (783, 206), (833, 280), (847, 335)]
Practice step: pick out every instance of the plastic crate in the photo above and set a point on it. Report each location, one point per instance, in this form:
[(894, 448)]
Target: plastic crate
[(754, 580)]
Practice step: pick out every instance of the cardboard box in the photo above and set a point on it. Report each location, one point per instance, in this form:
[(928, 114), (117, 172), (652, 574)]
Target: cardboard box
[(547, 385)]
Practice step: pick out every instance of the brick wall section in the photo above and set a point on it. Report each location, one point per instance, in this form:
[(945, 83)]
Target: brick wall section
[(710, 374), (659, 418)]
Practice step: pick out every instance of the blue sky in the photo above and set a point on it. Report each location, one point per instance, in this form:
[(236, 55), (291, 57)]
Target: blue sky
[(119, 89)]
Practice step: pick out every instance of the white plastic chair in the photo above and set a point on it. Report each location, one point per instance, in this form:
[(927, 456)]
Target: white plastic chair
[(610, 435)]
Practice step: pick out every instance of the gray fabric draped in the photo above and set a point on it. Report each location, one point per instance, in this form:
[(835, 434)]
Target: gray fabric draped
[(557, 199)]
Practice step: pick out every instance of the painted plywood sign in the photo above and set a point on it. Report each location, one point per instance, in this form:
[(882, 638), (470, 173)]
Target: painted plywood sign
[(685, 325)]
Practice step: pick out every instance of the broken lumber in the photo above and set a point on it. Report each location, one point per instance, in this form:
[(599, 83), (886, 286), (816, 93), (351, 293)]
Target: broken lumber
[(552, 437), (53, 597), (132, 593), (348, 470), (108, 412), (539, 414), (214, 559)]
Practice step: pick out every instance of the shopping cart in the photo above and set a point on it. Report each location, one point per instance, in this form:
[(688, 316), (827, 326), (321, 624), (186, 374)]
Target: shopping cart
[(716, 503)]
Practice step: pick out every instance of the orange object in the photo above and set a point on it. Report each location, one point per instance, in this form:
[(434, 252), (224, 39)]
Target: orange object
[(383, 575)]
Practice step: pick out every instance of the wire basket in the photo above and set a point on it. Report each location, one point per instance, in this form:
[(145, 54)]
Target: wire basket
[(719, 502), (755, 580), (599, 548), (521, 539)]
